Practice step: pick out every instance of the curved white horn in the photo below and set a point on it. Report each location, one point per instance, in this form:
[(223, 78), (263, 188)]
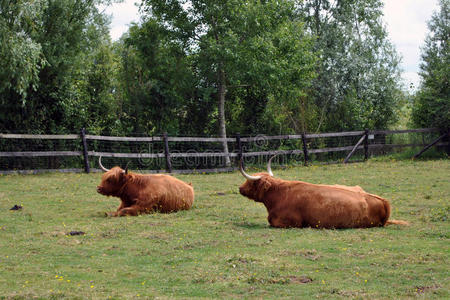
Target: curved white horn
[(269, 163), (249, 177), (100, 164)]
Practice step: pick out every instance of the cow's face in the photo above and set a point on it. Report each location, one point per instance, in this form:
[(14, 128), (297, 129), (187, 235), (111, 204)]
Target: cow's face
[(112, 182), (255, 189)]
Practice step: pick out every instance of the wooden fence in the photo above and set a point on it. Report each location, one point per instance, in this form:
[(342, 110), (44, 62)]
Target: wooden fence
[(363, 144)]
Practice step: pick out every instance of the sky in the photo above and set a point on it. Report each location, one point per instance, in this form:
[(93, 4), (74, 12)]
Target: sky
[(405, 20)]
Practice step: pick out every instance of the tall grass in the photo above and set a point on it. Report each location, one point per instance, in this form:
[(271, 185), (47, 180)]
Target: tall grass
[(223, 247)]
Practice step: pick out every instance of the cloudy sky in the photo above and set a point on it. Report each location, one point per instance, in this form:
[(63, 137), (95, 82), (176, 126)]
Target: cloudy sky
[(406, 22)]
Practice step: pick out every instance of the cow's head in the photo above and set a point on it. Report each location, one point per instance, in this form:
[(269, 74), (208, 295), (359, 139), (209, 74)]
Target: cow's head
[(112, 180), (258, 184)]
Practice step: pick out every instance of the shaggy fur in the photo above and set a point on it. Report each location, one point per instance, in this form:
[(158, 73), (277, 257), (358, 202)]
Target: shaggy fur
[(145, 193), (302, 204)]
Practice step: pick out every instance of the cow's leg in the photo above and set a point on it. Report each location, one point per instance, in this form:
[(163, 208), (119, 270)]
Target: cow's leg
[(116, 213), (284, 220), (129, 211), (133, 210)]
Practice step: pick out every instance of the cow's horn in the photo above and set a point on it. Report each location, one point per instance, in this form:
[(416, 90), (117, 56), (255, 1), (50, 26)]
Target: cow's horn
[(249, 177), (269, 163), (100, 164), (126, 168)]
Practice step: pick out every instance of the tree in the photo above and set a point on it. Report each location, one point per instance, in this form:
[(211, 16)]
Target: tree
[(21, 56), (157, 80), (49, 47), (357, 85), (235, 44), (432, 103)]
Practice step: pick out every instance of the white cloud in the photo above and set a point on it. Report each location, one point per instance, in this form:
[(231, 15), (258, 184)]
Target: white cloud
[(411, 81), (122, 15), (117, 31), (406, 22)]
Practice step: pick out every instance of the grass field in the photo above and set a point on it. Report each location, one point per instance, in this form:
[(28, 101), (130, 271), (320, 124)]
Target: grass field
[(223, 247)]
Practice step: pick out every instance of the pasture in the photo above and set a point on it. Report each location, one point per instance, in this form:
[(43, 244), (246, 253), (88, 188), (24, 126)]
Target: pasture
[(223, 247)]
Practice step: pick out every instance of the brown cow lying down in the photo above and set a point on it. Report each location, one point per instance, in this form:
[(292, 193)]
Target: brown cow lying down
[(145, 193), (302, 204)]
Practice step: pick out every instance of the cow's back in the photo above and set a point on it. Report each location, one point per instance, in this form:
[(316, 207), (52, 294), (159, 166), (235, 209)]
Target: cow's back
[(323, 206), (170, 193)]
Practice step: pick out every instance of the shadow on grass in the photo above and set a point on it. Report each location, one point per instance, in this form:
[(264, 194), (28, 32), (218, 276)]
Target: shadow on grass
[(249, 225), (99, 214)]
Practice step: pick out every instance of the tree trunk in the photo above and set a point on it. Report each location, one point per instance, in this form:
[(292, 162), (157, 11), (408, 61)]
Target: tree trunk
[(317, 7), (222, 125)]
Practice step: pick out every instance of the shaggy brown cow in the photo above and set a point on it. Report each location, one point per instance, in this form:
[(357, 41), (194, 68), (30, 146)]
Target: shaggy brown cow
[(145, 193), (302, 204)]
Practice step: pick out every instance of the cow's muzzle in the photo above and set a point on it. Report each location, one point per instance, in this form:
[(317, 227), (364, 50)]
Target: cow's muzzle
[(99, 190), (242, 191)]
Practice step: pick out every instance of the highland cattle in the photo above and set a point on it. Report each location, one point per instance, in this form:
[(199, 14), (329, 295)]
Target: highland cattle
[(144, 193), (303, 204)]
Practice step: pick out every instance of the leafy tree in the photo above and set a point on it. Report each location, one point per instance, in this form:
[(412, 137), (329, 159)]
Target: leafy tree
[(157, 80), (432, 103), (21, 56), (236, 44), (91, 99), (52, 45), (358, 74)]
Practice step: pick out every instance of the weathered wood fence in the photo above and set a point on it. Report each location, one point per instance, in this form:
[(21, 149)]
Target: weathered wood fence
[(365, 143)]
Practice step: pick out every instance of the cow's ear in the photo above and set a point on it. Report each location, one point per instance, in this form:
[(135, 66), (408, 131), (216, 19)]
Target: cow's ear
[(122, 174)]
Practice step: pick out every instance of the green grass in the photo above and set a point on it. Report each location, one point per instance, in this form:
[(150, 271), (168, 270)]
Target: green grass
[(223, 247)]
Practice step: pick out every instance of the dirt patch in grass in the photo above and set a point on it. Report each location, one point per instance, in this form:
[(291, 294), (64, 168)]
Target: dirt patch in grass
[(76, 232), (348, 294), (423, 289), (300, 279), (16, 207)]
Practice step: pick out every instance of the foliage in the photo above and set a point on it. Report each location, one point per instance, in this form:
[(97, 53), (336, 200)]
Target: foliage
[(21, 56), (432, 103), (244, 52), (157, 81), (62, 44), (206, 67), (357, 85), (223, 247)]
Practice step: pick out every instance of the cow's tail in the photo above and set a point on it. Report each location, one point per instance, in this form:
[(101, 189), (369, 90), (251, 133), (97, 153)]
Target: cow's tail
[(397, 222)]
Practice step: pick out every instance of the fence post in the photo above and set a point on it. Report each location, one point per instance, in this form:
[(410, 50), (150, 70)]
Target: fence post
[(167, 153), (366, 144), (85, 150), (305, 149), (239, 146), (448, 141)]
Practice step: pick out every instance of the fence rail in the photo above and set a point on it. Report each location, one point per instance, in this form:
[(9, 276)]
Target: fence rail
[(88, 147), (39, 136)]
